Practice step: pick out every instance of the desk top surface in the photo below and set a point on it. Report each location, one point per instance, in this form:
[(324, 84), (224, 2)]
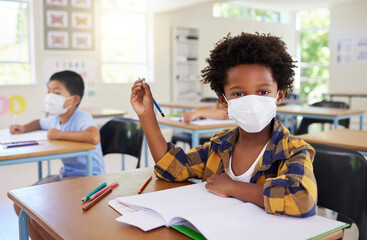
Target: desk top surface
[(191, 126), (58, 207), (354, 139), (45, 148), (348, 94), (103, 112), (188, 105), (317, 111)]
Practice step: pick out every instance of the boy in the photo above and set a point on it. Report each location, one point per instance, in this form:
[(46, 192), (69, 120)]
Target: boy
[(257, 162), (65, 92)]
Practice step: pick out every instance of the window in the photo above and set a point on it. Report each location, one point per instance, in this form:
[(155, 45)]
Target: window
[(15, 57), (124, 41), (313, 29), (237, 10)]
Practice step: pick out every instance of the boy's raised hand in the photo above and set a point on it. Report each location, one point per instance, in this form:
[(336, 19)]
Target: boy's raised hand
[(16, 129), (141, 98)]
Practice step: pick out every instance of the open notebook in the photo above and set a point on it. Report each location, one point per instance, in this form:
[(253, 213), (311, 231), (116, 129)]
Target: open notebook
[(193, 207), (6, 137)]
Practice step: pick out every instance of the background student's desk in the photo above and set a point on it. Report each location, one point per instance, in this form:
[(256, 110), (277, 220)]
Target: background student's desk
[(349, 95), (57, 207), (188, 105), (353, 139), (193, 129), (104, 112), (46, 151), (334, 114)]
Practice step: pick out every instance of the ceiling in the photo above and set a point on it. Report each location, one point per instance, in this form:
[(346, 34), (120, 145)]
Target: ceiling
[(282, 5)]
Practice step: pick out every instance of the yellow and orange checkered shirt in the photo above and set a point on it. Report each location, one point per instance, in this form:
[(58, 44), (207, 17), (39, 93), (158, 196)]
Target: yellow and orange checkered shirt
[(285, 168)]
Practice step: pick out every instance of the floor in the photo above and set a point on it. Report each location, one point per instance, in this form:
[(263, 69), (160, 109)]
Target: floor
[(22, 175)]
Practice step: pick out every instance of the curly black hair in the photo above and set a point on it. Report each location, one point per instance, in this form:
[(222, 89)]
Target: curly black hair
[(263, 49)]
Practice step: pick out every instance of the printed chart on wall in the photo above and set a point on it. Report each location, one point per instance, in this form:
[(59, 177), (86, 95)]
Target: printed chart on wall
[(362, 49), (68, 25), (86, 68)]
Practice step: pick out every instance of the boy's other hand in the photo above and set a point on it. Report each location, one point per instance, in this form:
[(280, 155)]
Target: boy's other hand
[(189, 116), (16, 129), (218, 184), (141, 97), (53, 134)]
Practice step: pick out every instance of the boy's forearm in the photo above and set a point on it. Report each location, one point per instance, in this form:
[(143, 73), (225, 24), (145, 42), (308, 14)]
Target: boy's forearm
[(32, 126), (90, 135), (248, 192), (157, 143)]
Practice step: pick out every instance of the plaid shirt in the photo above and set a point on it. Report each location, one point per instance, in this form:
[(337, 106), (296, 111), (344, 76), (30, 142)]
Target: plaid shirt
[(285, 168)]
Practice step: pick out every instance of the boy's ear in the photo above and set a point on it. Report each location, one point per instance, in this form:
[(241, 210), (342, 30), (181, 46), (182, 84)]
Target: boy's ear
[(76, 100), (281, 97), (222, 101)]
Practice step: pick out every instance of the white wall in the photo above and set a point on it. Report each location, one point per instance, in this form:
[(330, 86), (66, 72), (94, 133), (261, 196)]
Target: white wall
[(115, 96), (348, 20), (211, 30)]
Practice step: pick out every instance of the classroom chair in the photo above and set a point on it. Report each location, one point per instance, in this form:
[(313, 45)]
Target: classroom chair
[(306, 122), (186, 137), (122, 135), (341, 176)]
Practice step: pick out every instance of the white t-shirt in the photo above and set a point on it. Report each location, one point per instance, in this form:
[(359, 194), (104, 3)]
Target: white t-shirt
[(79, 121), (246, 176)]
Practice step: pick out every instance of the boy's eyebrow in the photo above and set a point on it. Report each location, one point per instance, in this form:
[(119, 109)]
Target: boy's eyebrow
[(234, 87)]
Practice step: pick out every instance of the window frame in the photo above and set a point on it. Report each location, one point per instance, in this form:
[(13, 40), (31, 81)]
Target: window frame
[(31, 52), (148, 59)]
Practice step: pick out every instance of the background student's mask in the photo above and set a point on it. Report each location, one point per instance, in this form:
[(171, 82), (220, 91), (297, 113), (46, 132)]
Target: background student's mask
[(252, 112), (54, 104)]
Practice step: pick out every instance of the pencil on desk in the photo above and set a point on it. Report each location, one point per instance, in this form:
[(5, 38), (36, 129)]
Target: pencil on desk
[(97, 199), (145, 184)]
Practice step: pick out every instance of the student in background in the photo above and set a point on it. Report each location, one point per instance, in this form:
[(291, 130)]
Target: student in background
[(218, 112), (67, 122), (258, 161)]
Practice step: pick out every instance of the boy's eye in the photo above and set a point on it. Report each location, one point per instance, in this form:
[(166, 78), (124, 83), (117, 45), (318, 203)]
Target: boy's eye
[(264, 92), (238, 94)]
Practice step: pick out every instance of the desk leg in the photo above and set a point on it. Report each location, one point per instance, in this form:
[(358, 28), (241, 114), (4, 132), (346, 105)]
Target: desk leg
[(194, 139), (361, 122), (146, 150), (39, 170), (23, 225), (89, 163), (336, 123)]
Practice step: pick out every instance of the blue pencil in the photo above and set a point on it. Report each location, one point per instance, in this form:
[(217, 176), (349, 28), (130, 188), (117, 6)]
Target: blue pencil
[(157, 106)]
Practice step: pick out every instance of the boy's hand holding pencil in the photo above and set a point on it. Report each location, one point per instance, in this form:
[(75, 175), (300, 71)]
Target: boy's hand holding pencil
[(142, 100)]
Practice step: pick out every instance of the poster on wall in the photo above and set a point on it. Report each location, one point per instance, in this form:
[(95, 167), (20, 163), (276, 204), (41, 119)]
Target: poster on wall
[(362, 49), (344, 51), (86, 68), (68, 25)]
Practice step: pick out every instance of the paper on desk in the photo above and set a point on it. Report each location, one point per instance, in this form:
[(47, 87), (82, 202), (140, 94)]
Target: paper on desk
[(207, 121), (6, 137)]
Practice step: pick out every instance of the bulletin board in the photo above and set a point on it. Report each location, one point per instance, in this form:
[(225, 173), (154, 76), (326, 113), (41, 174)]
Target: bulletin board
[(86, 69), (69, 25)]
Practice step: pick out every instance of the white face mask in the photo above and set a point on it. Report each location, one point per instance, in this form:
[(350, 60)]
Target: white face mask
[(54, 104), (252, 112)]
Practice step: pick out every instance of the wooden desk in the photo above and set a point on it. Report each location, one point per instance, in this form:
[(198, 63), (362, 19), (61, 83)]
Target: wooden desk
[(349, 95), (334, 114), (62, 216), (193, 129), (46, 151), (353, 139), (104, 112), (188, 105)]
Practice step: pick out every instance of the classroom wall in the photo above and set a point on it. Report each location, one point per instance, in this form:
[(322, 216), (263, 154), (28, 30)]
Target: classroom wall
[(116, 96), (348, 21), (211, 30)]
